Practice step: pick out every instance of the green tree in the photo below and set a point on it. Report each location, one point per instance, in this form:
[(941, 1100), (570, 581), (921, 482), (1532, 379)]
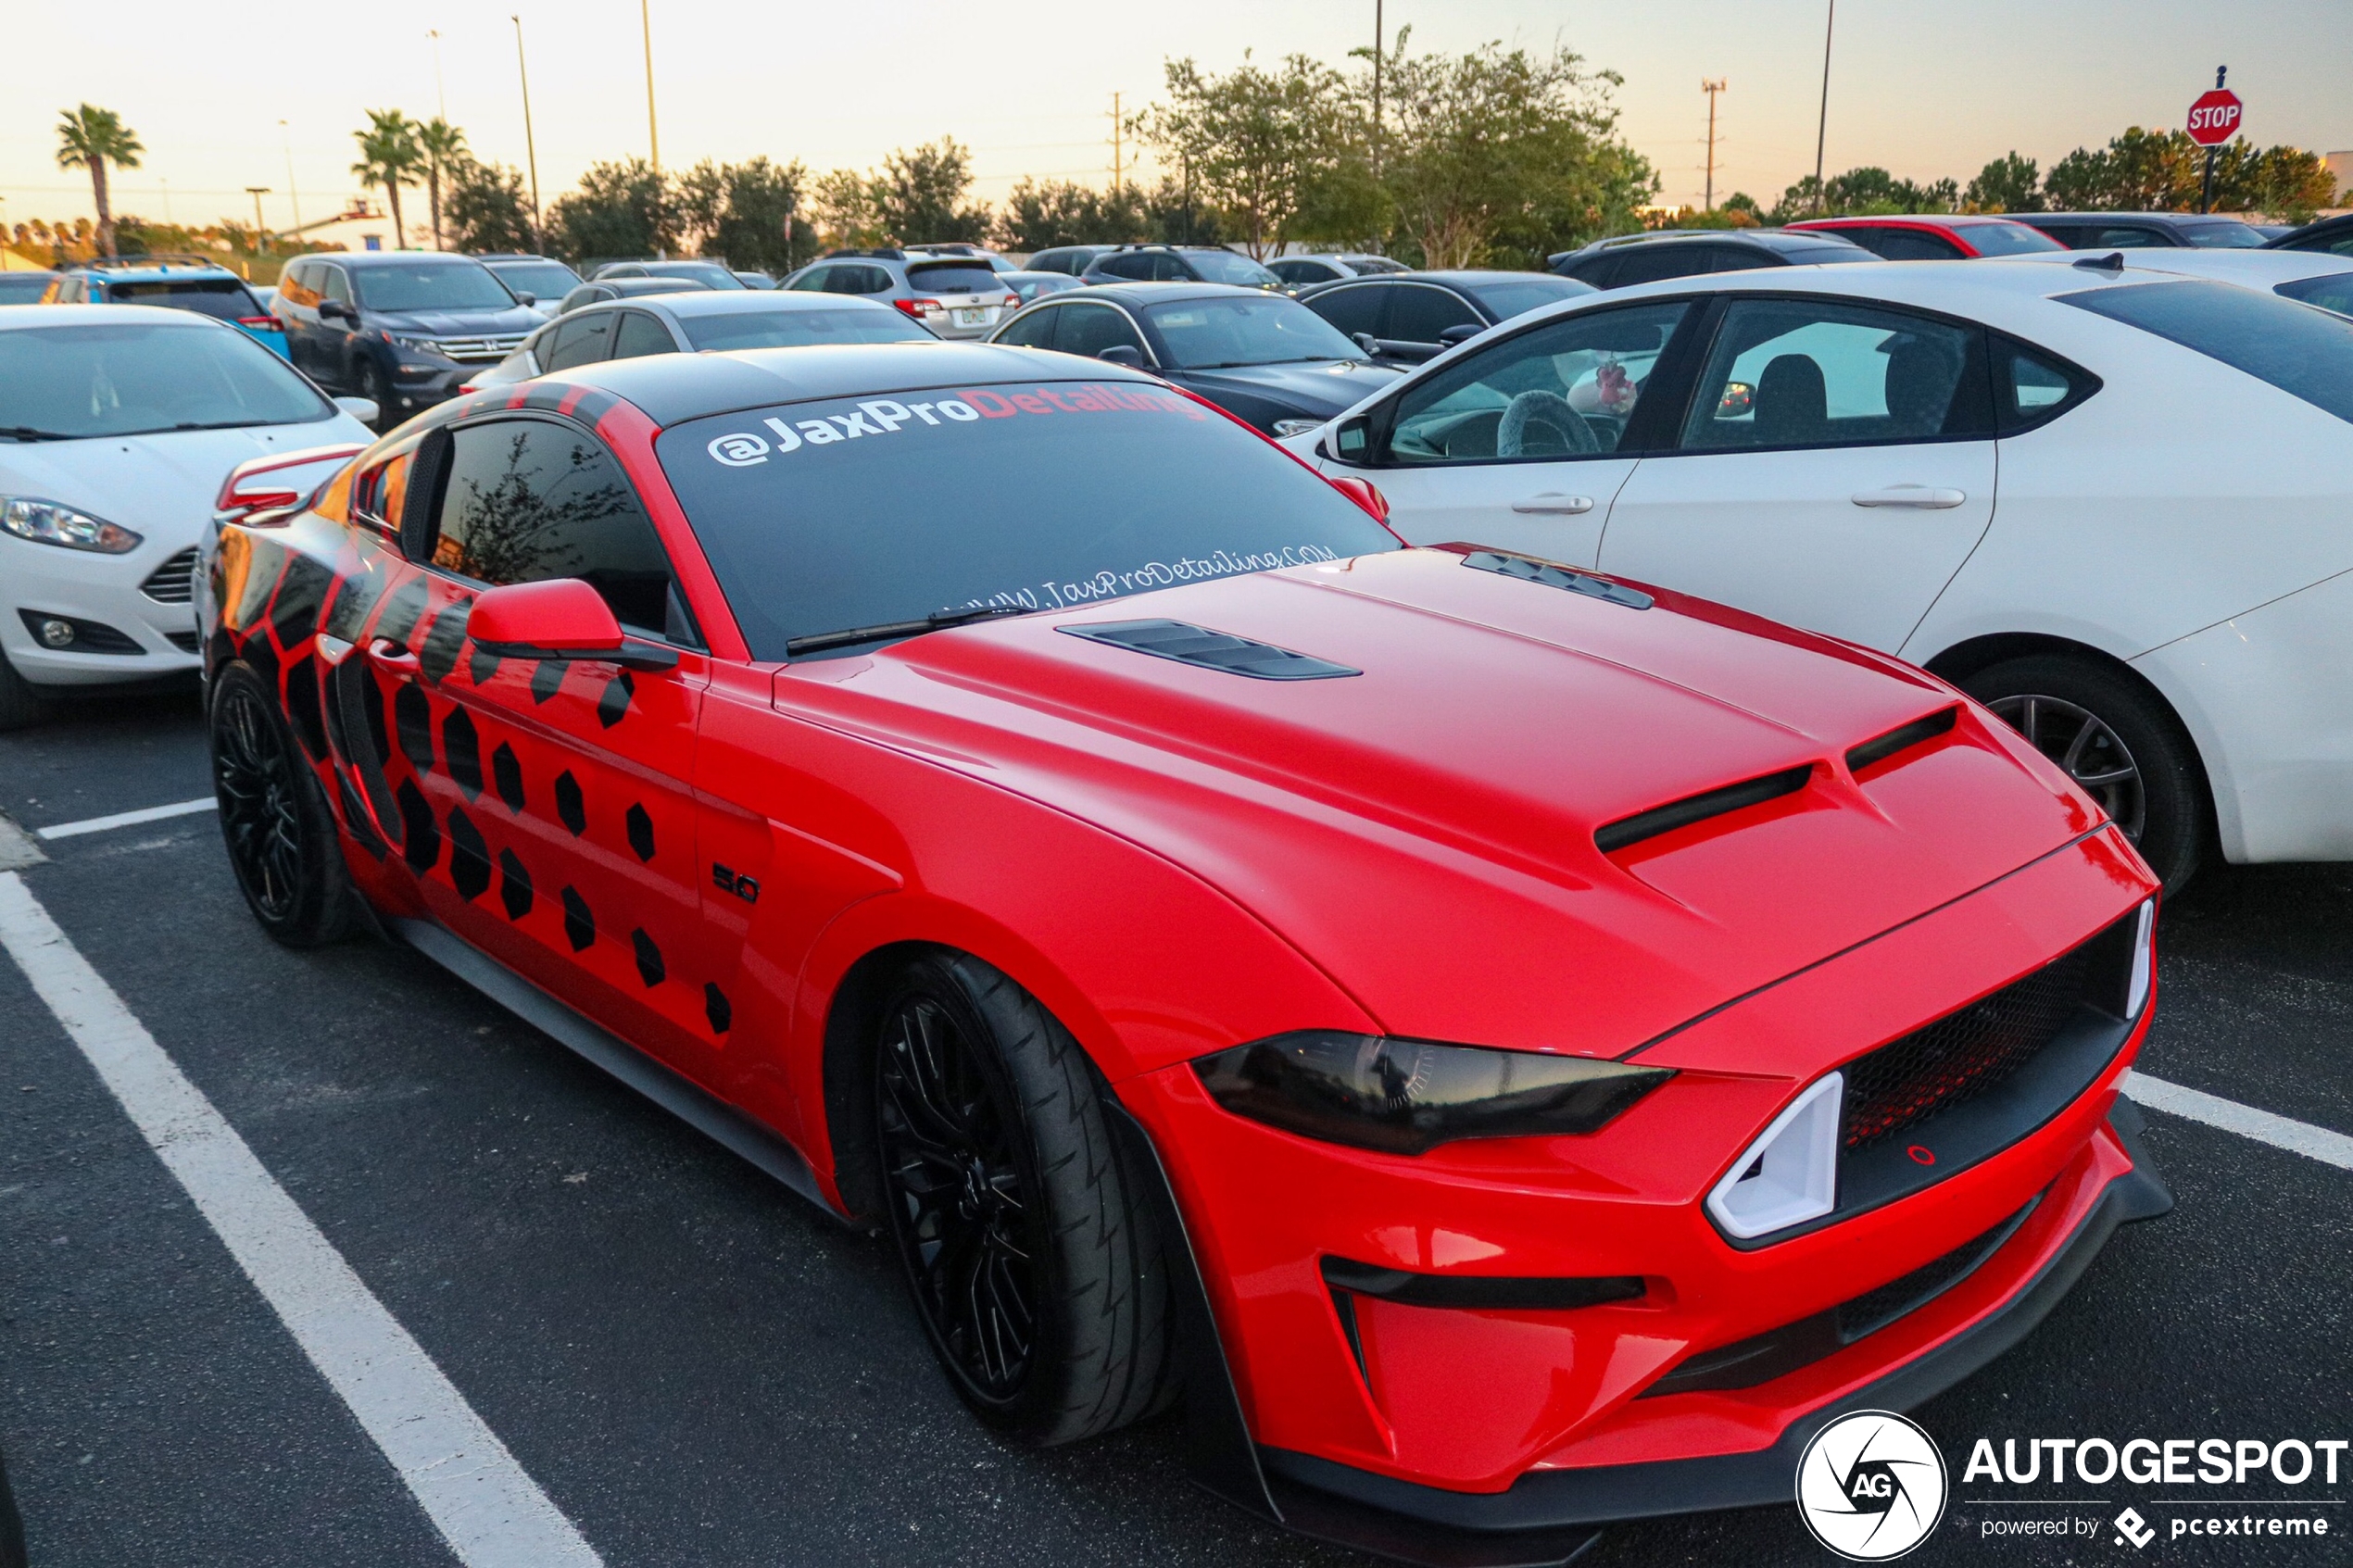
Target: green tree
[(1262, 147), (488, 208), (91, 138), (744, 213), (440, 146), (2008, 185), (919, 196), (388, 157), (620, 210), (1866, 191)]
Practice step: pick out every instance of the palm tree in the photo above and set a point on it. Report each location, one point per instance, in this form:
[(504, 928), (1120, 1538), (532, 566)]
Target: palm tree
[(442, 146), (90, 138), (388, 157)]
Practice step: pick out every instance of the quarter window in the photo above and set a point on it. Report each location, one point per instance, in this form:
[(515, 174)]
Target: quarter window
[(1816, 372), (1564, 390), (1354, 310), (1091, 329), (641, 335), (1035, 330)]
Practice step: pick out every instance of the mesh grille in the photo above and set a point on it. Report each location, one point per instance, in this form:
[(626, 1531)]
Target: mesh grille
[(172, 583), (1962, 1054)]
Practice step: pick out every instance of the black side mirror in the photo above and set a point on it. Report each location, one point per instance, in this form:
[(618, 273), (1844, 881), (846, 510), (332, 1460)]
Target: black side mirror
[(1463, 333), (336, 310), (1352, 440), (1367, 341), (524, 297), (1121, 353)]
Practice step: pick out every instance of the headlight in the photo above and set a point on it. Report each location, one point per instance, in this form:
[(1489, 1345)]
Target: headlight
[(421, 345), (46, 523), (1405, 1097), (1294, 427)]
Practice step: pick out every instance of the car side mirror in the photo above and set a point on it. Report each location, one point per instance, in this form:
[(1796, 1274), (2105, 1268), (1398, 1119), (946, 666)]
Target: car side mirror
[(1350, 441), (1463, 333), (336, 310), (560, 620), (524, 296), (364, 409), (1121, 353), (1367, 341)]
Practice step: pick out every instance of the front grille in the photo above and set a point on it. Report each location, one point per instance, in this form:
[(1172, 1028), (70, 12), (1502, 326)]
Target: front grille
[(186, 642), (493, 348), (1963, 1054), (173, 582)]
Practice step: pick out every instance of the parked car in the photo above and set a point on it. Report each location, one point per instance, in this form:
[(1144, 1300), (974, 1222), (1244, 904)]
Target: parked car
[(117, 429), (1823, 451), (24, 288), (2318, 278), (399, 328), (955, 296), (1300, 271), (971, 252), (2140, 230), (1266, 359), (627, 288), (710, 274), (1100, 887), (1643, 259), (1029, 286), (754, 279), (697, 321), (1073, 259), (2332, 234), (1934, 237), (1406, 318), (204, 287), (1178, 264), (540, 281)]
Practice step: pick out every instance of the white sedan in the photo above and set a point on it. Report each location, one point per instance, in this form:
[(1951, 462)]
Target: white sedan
[(2316, 277), (118, 428), (2115, 503)]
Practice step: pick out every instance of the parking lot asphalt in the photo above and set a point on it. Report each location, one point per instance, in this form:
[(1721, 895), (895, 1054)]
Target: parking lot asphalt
[(698, 1369)]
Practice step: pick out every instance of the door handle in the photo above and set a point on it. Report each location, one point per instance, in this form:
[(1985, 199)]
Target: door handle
[(391, 658), (1552, 501), (1927, 497)]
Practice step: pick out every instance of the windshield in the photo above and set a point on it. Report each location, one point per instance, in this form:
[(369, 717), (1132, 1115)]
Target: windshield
[(2227, 234), (132, 380), (2308, 354), (2007, 239), (24, 288), (1228, 267), (224, 299), (855, 512), (708, 273), (1207, 334), (2330, 291), (1523, 295), (430, 285), (793, 329), (547, 280)]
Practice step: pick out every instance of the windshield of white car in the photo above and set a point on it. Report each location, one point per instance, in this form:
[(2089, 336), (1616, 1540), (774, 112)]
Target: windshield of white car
[(549, 281), (2007, 239), (1211, 334), (2225, 233), (791, 329), (1230, 267), (430, 285), (2306, 353), (863, 512), (139, 379), (2330, 291)]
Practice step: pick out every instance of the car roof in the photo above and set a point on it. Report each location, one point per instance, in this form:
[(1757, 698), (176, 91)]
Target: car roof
[(119, 270), (2163, 219), (386, 258), (2259, 268), (1470, 277), (1767, 238), (672, 388), (736, 302), (1906, 220), (1140, 292)]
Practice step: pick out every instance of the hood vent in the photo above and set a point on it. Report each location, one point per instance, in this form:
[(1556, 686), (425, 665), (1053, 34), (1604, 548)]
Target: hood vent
[(1613, 836), (1211, 650), (1528, 569), (1902, 738)]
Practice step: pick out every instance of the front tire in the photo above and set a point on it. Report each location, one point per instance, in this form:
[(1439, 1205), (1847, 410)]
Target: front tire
[(1033, 1258), (2119, 742), (281, 838), (20, 704)]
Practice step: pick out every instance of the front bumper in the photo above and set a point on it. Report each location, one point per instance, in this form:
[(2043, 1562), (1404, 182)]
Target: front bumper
[(100, 590)]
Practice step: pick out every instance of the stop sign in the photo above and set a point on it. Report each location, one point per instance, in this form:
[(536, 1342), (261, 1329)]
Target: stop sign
[(2215, 116)]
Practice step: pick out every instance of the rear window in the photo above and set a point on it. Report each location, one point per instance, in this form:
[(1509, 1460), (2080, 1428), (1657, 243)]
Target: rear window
[(953, 277), (2331, 290), (1228, 267), (2229, 234), (1520, 295), (122, 380), (224, 298), (791, 329), (24, 288), (2308, 354), (822, 516), (2008, 239)]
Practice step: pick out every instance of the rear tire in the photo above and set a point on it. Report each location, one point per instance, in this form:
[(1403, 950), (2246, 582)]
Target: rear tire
[(1036, 1261), (2116, 739), (20, 704), (281, 837)]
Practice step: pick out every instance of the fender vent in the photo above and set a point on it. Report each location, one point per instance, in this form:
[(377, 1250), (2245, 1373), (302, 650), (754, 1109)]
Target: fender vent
[(1528, 569), (1902, 738), (1211, 650), (1613, 836)]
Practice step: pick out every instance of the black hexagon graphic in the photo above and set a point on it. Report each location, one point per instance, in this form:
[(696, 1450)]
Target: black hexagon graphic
[(293, 614), (641, 832), (506, 772), (421, 838), (546, 678), (615, 701), (716, 1008), (356, 819), (482, 666), (580, 925), (412, 716), (354, 596), (302, 706), (462, 746), (402, 610), (571, 809), (649, 967), (514, 884), (468, 855), (442, 644), (352, 675)]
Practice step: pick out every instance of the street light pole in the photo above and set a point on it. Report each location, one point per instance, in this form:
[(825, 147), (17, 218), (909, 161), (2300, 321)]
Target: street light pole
[(1822, 126), (1377, 54), (531, 149), (287, 137), (257, 193), (653, 132), (440, 97), (1711, 89)]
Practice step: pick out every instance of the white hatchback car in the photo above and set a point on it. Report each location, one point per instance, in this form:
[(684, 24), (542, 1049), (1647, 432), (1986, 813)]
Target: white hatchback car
[(119, 425), (2316, 277), (2114, 502)]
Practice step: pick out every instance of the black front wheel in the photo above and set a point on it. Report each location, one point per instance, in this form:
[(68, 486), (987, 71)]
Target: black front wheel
[(281, 838)]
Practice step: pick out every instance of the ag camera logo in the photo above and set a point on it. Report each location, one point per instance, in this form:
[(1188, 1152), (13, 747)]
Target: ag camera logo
[(1872, 1485)]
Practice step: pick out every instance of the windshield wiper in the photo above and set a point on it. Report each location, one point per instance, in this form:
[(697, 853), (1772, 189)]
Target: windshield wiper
[(27, 432), (220, 424), (817, 642)]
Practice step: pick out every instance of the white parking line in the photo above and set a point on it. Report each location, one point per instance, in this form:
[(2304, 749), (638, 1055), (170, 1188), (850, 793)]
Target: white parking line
[(492, 1514), (2280, 1132), (126, 819)]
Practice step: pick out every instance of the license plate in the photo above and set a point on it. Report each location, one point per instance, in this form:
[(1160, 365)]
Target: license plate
[(974, 316)]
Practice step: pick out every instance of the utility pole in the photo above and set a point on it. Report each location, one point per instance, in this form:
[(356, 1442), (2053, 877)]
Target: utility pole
[(1377, 46), (653, 132), (1118, 172), (531, 150), (2205, 191), (259, 232), (1711, 89), (287, 137), (440, 97), (1822, 126)]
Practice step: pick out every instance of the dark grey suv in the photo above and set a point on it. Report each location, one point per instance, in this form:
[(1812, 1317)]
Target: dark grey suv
[(1178, 264), (1646, 258)]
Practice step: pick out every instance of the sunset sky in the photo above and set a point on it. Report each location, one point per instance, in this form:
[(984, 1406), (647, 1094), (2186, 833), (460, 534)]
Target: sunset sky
[(1925, 91)]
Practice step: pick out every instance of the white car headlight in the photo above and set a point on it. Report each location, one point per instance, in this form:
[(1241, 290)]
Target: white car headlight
[(1790, 1174), (47, 522)]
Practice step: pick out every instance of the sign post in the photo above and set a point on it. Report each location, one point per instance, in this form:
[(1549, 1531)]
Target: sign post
[(2214, 119)]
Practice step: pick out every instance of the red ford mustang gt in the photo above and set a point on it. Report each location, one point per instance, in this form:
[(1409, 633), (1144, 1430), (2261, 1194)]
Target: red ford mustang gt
[(1511, 1050)]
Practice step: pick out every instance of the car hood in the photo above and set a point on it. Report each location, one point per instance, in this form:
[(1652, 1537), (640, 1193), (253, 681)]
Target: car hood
[(457, 323), (1425, 830), (164, 485), (1315, 390)]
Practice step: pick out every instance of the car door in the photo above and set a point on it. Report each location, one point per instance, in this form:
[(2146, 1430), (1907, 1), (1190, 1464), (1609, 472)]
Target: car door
[(1524, 444), (1834, 469), (1034, 328), (1354, 310), (336, 364), (581, 339), (1087, 329), (296, 309), (1419, 315)]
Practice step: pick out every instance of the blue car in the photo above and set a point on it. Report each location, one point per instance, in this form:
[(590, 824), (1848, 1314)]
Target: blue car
[(176, 282)]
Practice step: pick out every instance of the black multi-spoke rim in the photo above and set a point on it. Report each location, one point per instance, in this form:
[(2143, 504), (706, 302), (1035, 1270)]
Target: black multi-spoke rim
[(958, 1206), (260, 812), (2090, 752)]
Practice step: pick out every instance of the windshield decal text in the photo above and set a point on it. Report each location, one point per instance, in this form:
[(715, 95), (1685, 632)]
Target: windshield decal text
[(1111, 585), (884, 416)]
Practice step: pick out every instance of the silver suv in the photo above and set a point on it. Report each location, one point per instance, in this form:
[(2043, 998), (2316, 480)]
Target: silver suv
[(956, 296)]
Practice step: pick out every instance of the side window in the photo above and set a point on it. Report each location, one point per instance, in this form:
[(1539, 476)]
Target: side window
[(1356, 308), (1648, 266), (1091, 329), (1734, 258), (1417, 313), (1911, 245), (641, 335), (2120, 237), (584, 340), (1035, 330), (1599, 270), (333, 284), (1564, 390), (812, 281), (874, 280), (1127, 264), (529, 499), (1167, 269), (1823, 373), (2030, 387)]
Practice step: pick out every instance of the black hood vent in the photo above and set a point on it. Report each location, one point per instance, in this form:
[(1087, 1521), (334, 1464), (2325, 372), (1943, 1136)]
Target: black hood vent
[(1613, 836), (1212, 651), (1902, 738), (1528, 569)]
